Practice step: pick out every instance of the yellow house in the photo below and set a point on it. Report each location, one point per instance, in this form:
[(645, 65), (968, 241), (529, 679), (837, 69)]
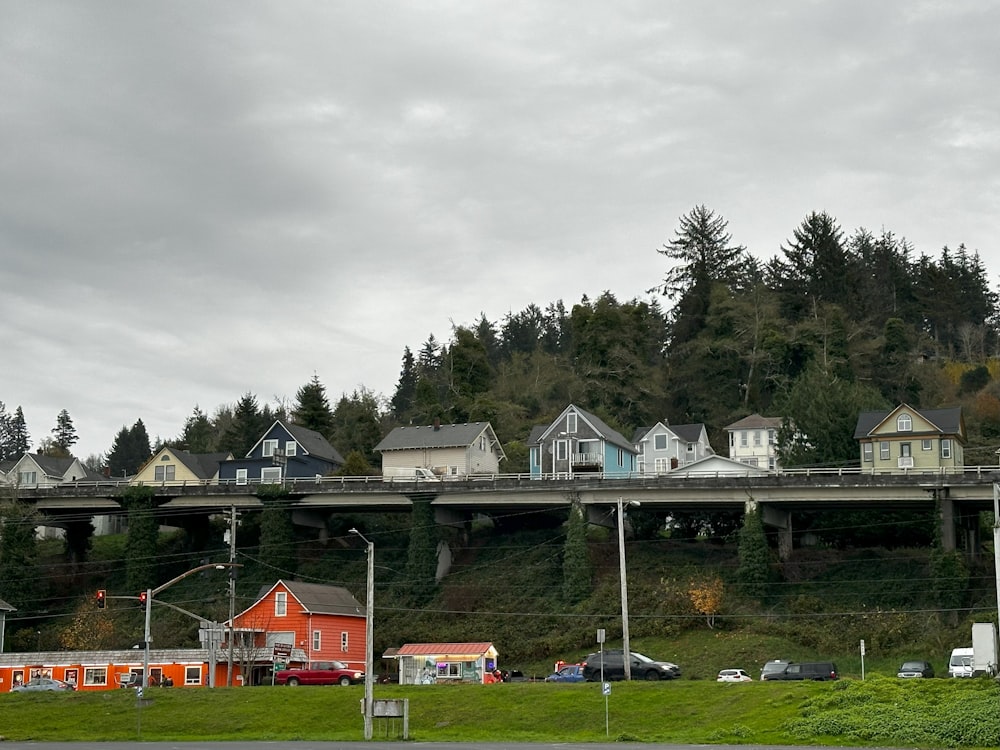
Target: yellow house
[(906, 439), (174, 466)]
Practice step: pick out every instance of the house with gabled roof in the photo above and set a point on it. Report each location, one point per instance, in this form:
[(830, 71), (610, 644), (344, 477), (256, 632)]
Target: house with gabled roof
[(284, 451), (173, 466), (448, 450), (663, 448), (428, 663), (753, 440), (317, 622), (578, 442), (907, 439), (36, 470)]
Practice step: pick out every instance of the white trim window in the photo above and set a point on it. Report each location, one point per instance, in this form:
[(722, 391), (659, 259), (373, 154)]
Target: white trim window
[(571, 422), (270, 475), (95, 675), (660, 442), (192, 675), (268, 448), (27, 477), (904, 423), (744, 439), (317, 640), (165, 473), (662, 465), (869, 453), (344, 641), (946, 448), (883, 450), (280, 603), (241, 476), (757, 440), (449, 670), (926, 444), (291, 448)]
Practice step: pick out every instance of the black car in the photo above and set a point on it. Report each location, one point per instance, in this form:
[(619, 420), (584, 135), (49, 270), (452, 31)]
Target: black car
[(807, 670), (642, 667), (915, 669)]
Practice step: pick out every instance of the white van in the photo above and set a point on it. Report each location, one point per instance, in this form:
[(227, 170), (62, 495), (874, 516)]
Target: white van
[(960, 664), (409, 472)]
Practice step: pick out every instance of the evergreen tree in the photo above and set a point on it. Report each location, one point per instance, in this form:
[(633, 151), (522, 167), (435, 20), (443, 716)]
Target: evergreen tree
[(278, 551), (4, 432), (754, 571), (19, 574), (140, 546), (406, 388), (421, 557), (576, 562), (815, 267), (248, 424), (130, 450), (357, 424), (312, 410), (64, 433), (19, 442), (199, 434)]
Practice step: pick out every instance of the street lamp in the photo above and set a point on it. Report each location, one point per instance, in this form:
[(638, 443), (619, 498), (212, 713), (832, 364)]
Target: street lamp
[(369, 635), (150, 593), (626, 649)]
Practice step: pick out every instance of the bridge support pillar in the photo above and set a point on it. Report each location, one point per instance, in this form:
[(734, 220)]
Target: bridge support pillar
[(312, 520), (782, 521), (599, 516), (445, 516), (946, 509)]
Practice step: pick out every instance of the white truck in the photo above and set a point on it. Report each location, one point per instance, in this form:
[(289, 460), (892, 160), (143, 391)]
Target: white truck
[(984, 649), (410, 473)]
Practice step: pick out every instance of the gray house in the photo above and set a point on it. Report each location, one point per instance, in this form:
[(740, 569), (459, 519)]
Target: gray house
[(448, 450)]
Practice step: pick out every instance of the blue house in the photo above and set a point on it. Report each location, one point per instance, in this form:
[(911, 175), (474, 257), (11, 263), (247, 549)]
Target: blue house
[(579, 442), (285, 451)]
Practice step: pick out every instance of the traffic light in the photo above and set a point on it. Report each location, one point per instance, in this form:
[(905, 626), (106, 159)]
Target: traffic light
[(102, 596), (142, 597)]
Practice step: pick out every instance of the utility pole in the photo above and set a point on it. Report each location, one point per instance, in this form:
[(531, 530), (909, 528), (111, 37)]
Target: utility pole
[(232, 593)]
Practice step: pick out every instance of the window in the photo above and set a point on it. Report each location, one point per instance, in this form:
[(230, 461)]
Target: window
[(95, 676), (621, 457), (317, 640), (270, 475), (291, 448), (571, 422), (662, 465), (905, 450), (904, 423), (27, 477), (691, 447), (744, 442), (732, 440), (868, 452), (484, 444), (749, 461), (883, 450), (280, 603), (164, 473), (534, 457), (660, 442), (757, 441), (192, 675), (561, 450), (926, 445), (343, 641), (268, 448), (771, 463), (772, 437), (241, 476), (449, 670), (946, 448)]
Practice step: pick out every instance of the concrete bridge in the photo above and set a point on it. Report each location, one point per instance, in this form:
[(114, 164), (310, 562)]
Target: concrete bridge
[(958, 496)]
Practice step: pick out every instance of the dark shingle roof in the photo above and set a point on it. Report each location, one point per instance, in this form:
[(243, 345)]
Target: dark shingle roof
[(317, 598), (313, 443), (756, 422), (948, 421)]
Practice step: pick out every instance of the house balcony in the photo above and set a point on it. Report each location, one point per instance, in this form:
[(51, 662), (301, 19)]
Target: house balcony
[(904, 462), (587, 461)]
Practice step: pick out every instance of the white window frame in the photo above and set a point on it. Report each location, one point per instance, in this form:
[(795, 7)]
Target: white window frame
[(662, 465), (291, 448), (884, 452), (95, 675), (926, 444), (904, 423), (757, 439), (317, 640), (27, 477), (280, 603), (270, 475), (192, 675), (268, 447), (692, 447), (562, 449), (621, 456), (660, 442), (772, 437), (241, 476), (344, 641), (449, 670), (945, 447), (868, 451), (744, 439), (534, 456), (164, 473), (571, 423)]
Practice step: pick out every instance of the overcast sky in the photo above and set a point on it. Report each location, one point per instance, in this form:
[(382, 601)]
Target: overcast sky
[(201, 199)]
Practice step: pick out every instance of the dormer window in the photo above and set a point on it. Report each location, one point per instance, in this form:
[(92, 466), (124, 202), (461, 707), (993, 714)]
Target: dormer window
[(904, 423), (571, 423)]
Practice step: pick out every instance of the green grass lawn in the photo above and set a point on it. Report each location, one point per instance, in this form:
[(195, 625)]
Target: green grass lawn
[(879, 711)]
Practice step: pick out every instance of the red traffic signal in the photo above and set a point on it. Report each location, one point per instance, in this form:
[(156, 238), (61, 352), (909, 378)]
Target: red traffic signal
[(102, 596), (142, 597)]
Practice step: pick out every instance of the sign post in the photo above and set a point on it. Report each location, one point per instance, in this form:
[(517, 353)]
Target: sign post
[(862, 659)]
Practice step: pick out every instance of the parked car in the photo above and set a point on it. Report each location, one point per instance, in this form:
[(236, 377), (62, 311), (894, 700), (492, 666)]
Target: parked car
[(733, 675), (960, 663), (807, 670), (773, 667), (42, 684), (915, 669), (642, 667), (320, 673), (569, 673)]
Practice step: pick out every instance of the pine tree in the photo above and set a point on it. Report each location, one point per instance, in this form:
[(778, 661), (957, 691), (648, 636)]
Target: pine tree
[(576, 562), (4, 432), (19, 442), (312, 409), (406, 388), (247, 426), (130, 450), (140, 546), (198, 435), (19, 581), (753, 573), (64, 433)]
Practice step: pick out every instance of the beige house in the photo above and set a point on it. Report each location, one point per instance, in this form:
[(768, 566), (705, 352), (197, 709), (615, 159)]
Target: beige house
[(906, 439), (173, 466), (448, 450), (753, 441)]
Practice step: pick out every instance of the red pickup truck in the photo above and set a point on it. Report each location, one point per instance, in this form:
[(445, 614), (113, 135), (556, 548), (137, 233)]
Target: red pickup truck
[(320, 673)]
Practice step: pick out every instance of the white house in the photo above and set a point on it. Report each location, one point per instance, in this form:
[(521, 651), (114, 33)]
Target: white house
[(753, 440), (448, 450)]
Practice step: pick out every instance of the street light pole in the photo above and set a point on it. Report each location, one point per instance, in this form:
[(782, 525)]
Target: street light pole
[(626, 648), (369, 633), (150, 593)]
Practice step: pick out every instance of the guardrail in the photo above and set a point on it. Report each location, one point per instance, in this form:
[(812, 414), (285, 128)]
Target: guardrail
[(975, 473)]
